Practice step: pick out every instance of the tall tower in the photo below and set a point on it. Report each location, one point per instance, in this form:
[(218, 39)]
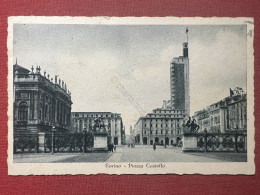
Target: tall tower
[(180, 81)]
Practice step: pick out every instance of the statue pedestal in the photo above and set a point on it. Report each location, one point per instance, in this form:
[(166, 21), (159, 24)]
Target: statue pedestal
[(41, 142), (185, 130), (190, 142), (100, 142)]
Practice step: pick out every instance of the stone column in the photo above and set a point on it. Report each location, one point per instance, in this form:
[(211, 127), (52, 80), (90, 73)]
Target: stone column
[(41, 142), (222, 120), (119, 133), (55, 110), (78, 125), (36, 105), (83, 124), (60, 119)]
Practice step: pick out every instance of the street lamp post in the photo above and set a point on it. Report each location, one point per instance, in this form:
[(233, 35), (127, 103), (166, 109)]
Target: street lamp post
[(165, 132), (53, 139), (165, 138), (84, 140), (205, 139)]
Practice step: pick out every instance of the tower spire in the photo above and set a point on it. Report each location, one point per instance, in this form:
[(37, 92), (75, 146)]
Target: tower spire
[(187, 32)]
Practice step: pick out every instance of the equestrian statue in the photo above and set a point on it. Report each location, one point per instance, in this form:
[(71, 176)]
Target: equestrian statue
[(98, 125), (192, 125)]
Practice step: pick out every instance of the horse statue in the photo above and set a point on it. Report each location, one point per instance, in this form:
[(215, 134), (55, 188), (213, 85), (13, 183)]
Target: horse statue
[(95, 125), (194, 127), (188, 123), (98, 125)]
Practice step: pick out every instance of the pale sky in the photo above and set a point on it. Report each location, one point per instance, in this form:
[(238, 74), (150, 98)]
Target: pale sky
[(88, 57)]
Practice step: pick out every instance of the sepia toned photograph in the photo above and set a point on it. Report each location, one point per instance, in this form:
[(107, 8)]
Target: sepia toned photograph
[(130, 95)]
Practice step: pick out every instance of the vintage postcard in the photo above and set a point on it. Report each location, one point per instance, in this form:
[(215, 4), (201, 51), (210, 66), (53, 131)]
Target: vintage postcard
[(130, 95)]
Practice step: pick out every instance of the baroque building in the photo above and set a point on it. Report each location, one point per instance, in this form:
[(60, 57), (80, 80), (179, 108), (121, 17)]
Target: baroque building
[(81, 121), (40, 104), (224, 116)]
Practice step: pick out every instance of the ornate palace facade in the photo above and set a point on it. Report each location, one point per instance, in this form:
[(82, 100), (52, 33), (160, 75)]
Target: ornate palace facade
[(226, 115), (40, 104), (114, 124)]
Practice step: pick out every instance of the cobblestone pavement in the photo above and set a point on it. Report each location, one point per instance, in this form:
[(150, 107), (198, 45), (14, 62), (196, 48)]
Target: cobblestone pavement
[(175, 154), (137, 154), (61, 157)]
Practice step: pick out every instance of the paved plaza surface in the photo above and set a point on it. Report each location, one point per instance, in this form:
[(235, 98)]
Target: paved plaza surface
[(137, 154)]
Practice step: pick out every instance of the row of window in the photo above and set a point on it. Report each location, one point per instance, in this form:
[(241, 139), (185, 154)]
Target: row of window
[(160, 132), (26, 95), (177, 60), (94, 115), (148, 120), (166, 116), (161, 125), (23, 111), (168, 111), (89, 121)]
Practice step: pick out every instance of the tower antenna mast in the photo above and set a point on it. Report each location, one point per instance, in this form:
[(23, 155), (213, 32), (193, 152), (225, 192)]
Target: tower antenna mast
[(187, 32)]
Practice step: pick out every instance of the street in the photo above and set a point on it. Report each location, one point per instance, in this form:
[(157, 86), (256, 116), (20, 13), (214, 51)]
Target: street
[(138, 154)]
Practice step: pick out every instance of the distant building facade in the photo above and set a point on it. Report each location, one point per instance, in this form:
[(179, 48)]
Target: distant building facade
[(226, 115), (162, 126), (83, 120), (40, 104), (180, 82), (132, 135)]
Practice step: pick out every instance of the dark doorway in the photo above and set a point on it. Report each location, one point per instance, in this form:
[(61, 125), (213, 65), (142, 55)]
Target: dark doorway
[(156, 140), (167, 141), (151, 142), (115, 141), (171, 142), (178, 139), (162, 142), (145, 140)]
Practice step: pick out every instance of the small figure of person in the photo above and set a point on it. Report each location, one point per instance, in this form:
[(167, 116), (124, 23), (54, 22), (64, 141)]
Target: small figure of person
[(154, 146), (115, 148), (109, 147), (112, 147)]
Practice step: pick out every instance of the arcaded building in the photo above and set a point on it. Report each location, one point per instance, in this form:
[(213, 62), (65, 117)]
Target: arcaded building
[(162, 126), (40, 103), (113, 122), (227, 115)]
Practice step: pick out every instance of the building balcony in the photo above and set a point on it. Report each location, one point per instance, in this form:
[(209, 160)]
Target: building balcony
[(21, 123)]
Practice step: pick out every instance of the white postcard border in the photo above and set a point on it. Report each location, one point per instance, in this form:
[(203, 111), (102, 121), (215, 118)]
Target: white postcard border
[(232, 168)]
